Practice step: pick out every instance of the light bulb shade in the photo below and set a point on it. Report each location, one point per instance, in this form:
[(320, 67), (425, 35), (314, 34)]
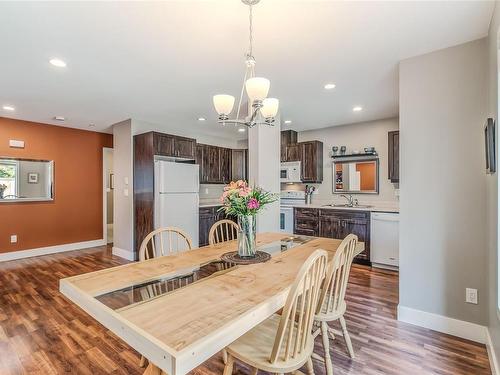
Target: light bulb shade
[(270, 107), (223, 104), (257, 88)]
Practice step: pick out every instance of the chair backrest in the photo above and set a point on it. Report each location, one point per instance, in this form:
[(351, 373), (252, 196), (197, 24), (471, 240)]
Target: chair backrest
[(221, 231), (335, 286), (294, 333), (164, 241)]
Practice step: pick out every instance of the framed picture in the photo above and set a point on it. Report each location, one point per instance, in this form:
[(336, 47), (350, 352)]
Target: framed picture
[(32, 178), (490, 145)]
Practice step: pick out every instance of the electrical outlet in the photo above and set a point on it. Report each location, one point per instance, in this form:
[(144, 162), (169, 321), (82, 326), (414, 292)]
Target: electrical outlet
[(471, 295), (13, 238)]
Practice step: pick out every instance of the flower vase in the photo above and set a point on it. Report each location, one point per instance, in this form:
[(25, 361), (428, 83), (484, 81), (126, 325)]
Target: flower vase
[(246, 236)]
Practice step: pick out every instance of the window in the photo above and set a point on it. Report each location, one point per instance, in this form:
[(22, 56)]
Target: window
[(8, 179)]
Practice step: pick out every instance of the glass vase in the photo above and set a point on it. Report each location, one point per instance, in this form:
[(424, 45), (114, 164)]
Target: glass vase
[(246, 236)]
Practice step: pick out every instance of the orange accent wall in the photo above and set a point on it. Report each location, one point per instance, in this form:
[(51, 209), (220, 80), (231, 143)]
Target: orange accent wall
[(75, 215), (367, 175)]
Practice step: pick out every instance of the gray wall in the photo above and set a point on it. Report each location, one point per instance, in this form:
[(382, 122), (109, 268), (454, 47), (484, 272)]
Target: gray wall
[(123, 212), (443, 183), (492, 189)]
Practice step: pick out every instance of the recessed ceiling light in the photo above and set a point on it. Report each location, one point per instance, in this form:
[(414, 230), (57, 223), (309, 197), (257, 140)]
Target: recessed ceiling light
[(59, 118), (288, 121), (58, 62), (357, 108), (241, 130), (202, 119), (8, 108), (329, 86)]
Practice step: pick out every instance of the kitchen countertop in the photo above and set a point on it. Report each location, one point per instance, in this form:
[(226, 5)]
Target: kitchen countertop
[(205, 204), (374, 207)]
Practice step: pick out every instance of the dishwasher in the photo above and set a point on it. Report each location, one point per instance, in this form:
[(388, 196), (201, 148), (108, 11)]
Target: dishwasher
[(384, 240)]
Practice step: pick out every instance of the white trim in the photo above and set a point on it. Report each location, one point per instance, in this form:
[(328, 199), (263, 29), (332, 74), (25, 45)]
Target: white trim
[(122, 253), (440, 323), (495, 368), (105, 151), (4, 257)]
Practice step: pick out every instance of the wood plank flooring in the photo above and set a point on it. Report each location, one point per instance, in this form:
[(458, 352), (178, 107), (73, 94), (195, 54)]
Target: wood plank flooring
[(41, 332)]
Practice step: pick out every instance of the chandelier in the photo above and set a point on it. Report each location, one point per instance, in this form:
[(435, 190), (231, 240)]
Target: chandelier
[(263, 109)]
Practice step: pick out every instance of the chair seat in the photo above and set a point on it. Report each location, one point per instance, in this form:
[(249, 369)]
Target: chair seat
[(254, 348), (323, 315)]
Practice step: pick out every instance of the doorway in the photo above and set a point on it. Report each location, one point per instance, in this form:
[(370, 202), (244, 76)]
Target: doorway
[(108, 192)]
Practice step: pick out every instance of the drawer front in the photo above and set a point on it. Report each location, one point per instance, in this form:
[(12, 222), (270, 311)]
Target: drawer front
[(306, 212), (345, 214), (207, 211)]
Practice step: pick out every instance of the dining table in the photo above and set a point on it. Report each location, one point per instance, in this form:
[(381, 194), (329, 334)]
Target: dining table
[(180, 310)]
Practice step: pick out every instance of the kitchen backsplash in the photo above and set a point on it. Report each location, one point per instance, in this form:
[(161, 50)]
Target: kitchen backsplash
[(210, 192)]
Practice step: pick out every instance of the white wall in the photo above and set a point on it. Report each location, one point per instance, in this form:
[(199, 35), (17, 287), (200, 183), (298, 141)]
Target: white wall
[(263, 168), (492, 187), (443, 183), (354, 137), (123, 208)]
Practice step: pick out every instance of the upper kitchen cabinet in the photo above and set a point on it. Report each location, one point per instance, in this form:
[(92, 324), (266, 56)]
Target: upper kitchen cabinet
[(239, 165), (215, 164), (293, 152), (174, 146), (311, 157), (394, 156), (288, 137)]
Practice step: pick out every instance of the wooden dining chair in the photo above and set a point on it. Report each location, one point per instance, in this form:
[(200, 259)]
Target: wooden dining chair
[(284, 343), (332, 304), (164, 241), (161, 242), (222, 231)]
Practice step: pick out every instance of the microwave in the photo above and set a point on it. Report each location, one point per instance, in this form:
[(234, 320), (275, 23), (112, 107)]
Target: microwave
[(290, 172)]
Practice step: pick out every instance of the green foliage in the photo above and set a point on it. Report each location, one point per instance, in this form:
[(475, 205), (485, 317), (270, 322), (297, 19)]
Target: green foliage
[(7, 171)]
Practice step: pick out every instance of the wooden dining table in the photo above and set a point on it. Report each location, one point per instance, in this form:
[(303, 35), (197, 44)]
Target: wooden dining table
[(179, 310)]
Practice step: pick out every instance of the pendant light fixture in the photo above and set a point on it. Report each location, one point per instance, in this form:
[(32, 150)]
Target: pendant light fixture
[(264, 109)]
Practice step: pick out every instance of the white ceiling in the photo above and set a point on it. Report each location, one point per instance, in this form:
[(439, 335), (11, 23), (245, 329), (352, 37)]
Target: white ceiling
[(161, 62)]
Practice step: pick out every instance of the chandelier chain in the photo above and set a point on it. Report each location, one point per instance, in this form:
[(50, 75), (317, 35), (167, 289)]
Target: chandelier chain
[(250, 38)]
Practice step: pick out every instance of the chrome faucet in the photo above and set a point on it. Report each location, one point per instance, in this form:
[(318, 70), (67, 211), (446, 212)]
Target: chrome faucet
[(350, 200)]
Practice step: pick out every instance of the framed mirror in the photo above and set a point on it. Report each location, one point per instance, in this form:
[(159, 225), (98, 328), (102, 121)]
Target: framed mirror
[(26, 180), (355, 175)]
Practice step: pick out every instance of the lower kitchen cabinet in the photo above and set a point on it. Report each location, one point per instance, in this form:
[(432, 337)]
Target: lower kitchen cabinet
[(337, 224), (208, 217), (305, 221)]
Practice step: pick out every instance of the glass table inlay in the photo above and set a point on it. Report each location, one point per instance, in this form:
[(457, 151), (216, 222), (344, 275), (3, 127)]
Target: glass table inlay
[(121, 298)]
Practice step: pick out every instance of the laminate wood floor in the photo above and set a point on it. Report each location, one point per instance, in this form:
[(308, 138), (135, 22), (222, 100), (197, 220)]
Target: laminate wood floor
[(41, 332)]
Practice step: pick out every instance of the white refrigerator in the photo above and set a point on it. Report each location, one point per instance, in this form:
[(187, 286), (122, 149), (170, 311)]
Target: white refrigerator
[(177, 189)]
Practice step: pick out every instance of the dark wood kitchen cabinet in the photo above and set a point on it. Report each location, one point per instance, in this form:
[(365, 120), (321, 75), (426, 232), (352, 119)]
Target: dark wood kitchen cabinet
[(239, 165), (305, 221), (208, 217), (174, 146), (293, 152), (288, 138), (394, 156), (215, 164), (311, 157), (339, 223)]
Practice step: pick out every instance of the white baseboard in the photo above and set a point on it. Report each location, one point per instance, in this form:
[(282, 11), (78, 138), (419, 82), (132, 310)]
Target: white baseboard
[(122, 253), (495, 368), (13, 255), (440, 323)]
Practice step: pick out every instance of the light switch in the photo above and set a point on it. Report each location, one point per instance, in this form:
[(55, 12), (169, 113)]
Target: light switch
[(125, 192), (13, 238), (125, 180)]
